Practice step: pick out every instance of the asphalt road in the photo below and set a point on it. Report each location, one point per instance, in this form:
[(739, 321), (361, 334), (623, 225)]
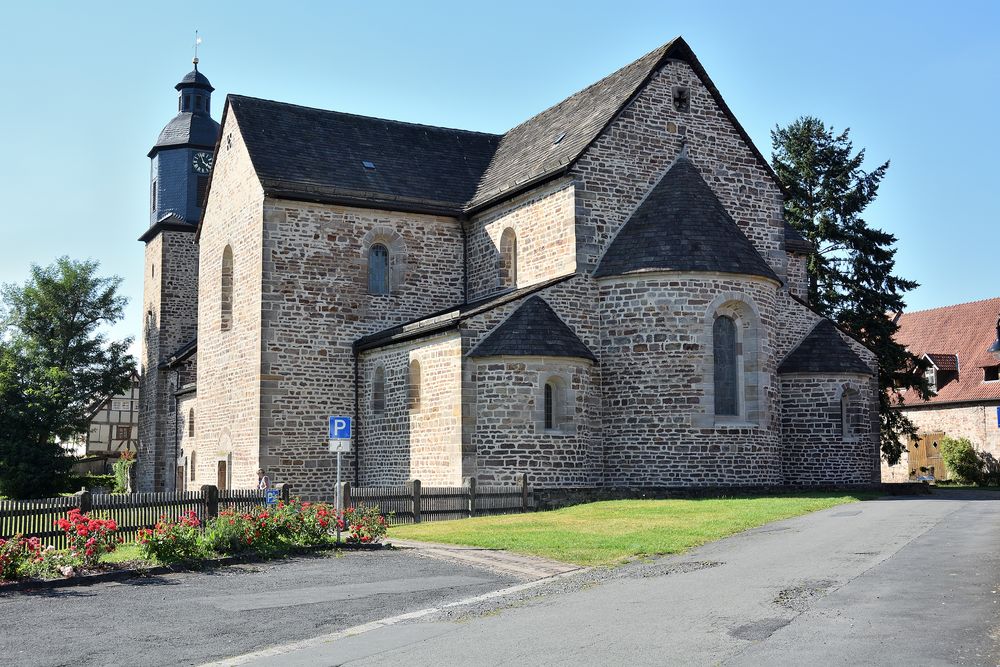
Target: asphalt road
[(906, 581), (191, 618)]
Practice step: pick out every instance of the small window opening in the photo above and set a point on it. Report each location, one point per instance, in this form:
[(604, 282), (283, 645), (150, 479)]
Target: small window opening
[(193, 464), (931, 376), (508, 258), (152, 271), (682, 98), (413, 386), (378, 269), (191, 423), (202, 191), (187, 103), (378, 391), (991, 373), (368, 164), (226, 306), (561, 136), (197, 102), (549, 406), (152, 197)]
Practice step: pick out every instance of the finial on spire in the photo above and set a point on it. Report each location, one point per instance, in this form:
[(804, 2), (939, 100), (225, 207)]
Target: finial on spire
[(197, 41)]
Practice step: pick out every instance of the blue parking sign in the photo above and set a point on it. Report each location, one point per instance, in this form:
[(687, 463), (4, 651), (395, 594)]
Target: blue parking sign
[(271, 496), (340, 428)]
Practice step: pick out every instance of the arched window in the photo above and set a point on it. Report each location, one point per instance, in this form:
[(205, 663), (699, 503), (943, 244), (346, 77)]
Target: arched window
[(191, 423), (413, 386), (194, 463), (227, 289), (554, 404), (725, 367), (378, 269), (508, 258), (378, 391), (845, 407)]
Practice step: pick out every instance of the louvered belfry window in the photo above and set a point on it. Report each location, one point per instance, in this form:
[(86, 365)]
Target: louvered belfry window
[(725, 368), (378, 269)]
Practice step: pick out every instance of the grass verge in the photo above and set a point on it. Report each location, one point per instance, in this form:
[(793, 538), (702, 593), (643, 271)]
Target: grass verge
[(607, 533)]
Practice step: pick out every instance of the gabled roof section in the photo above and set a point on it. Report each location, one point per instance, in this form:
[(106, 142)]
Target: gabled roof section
[(943, 362), (963, 332), (309, 154), (327, 156), (682, 226), (823, 350), (533, 330)]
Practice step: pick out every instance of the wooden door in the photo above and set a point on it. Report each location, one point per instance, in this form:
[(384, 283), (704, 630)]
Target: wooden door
[(180, 479), (223, 475), (925, 456)]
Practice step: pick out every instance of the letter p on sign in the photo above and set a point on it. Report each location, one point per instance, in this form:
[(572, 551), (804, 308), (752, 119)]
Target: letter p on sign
[(340, 428)]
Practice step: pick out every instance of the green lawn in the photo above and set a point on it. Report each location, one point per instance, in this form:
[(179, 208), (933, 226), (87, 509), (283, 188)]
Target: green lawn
[(611, 532), (129, 551)]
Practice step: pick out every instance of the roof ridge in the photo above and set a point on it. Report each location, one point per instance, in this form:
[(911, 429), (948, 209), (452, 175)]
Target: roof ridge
[(358, 115), (954, 305)]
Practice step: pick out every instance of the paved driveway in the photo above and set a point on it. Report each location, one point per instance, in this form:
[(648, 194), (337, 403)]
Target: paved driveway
[(190, 618), (910, 581)]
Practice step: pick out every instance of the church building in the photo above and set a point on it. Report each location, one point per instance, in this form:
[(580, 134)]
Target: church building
[(605, 295)]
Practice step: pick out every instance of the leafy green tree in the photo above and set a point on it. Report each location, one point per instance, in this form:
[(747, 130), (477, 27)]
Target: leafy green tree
[(851, 266), (55, 359)]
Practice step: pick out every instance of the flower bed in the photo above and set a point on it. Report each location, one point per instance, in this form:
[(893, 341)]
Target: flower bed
[(263, 532)]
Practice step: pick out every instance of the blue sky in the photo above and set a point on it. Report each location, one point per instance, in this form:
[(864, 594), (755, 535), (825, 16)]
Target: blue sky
[(88, 86)]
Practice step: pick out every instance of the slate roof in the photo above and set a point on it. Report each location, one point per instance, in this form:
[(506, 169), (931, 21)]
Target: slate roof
[(533, 330), (188, 129), (682, 226), (794, 241), (823, 351), (315, 155), (318, 155), (195, 79), (964, 331)]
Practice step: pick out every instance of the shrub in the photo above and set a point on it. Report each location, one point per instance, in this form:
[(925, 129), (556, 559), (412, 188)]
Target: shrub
[(46, 562), (12, 556), (88, 537), (365, 525), (173, 541), (961, 460), (90, 481), (123, 471), (231, 532), (318, 523)]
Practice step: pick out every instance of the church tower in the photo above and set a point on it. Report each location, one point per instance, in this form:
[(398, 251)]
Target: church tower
[(181, 165)]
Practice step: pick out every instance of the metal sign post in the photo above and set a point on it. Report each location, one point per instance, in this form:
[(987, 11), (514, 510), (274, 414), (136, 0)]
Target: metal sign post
[(340, 443)]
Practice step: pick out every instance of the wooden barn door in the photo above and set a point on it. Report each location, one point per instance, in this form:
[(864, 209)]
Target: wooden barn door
[(925, 456)]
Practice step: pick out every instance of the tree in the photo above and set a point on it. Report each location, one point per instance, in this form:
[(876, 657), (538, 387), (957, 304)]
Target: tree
[(55, 359), (850, 268)]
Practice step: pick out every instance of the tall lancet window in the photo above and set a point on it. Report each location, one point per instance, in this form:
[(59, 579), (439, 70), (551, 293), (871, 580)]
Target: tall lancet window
[(378, 269), (508, 258), (227, 290), (724, 347)]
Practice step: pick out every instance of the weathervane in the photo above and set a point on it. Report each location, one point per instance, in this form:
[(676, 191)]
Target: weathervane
[(197, 41)]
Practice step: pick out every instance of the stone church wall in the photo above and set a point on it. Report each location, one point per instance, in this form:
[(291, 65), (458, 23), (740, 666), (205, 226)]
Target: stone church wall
[(622, 165), (401, 443), (815, 451), (186, 406), (543, 222), (656, 358), (315, 304), (229, 377), (509, 433), (170, 320)]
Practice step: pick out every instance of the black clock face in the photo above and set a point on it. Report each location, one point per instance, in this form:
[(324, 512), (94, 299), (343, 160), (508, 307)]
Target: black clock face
[(202, 162)]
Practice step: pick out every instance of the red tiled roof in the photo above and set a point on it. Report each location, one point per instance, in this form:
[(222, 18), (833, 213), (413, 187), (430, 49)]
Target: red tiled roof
[(954, 338)]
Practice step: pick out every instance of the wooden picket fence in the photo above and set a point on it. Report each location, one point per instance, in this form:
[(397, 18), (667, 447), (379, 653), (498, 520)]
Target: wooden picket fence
[(408, 503), (132, 512), (414, 503)]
